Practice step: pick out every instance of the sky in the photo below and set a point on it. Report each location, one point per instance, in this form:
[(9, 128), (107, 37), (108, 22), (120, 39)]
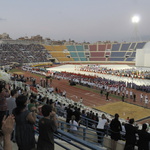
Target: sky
[(79, 20)]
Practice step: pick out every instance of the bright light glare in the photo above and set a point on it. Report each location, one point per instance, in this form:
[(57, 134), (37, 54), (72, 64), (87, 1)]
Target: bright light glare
[(135, 19)]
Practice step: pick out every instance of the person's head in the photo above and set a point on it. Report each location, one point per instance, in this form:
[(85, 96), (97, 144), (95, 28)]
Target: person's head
[(2, 85), (144, 127), (46, 110), (52, 103), (73, 118), (21, 102), (32, 101), (14, 93), (131, 121), (103, 116), (116, 116)]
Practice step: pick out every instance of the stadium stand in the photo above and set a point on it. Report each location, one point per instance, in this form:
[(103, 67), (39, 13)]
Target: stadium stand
[(106, 52), (60, 52), (20, 53)]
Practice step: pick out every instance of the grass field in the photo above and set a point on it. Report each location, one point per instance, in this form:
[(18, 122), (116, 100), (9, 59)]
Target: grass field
[(125, 110)]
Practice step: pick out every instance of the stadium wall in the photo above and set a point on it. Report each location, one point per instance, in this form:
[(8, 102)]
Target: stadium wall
[(143, 56)]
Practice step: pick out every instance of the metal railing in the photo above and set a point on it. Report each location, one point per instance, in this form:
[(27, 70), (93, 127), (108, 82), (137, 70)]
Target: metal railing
[(82, 139)]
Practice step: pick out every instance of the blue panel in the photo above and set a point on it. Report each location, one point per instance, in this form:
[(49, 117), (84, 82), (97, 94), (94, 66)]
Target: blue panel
[(71, 48), (125, 47), (130, 59), (140, 45), (83, 59), (79, 48), (115, 47), (128, 53), (118, 54), (76, 59), (116, 59), (81, 54), (72, 54), (133, 54), (132, 46)]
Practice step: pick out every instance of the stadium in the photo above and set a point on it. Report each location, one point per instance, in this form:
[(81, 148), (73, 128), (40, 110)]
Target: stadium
[(109, 61), (96, 94)]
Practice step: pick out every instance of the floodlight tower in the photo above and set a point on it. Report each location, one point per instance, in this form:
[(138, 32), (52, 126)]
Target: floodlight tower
[(135, 21)]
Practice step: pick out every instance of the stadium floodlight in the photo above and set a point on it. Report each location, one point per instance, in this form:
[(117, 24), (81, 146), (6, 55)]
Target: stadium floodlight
[(135, 19)]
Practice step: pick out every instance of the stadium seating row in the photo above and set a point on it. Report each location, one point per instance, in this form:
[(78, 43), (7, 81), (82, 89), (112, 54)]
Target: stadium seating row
[(96, 52)]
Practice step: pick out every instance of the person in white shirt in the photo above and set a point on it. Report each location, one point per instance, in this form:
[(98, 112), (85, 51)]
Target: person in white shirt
[(73, 125), (81, 100), (101, 128), (131, 94), (64, 93), (141, 97), (146, 102), (127, 93)]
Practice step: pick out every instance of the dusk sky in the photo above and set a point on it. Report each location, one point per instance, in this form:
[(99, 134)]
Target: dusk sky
[(79, 20)]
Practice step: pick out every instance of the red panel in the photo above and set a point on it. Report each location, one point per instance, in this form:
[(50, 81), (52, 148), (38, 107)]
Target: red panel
[(97, 54), (108, 46), (97, 59), (93, 47), (101, 47), (107, 53)]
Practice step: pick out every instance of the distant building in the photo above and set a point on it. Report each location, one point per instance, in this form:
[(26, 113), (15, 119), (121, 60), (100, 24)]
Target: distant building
[(4, 36), (37, 38)]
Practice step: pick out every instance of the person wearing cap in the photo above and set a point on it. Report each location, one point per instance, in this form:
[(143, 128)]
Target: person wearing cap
[(115, 128), (130, 135), (144, 138)]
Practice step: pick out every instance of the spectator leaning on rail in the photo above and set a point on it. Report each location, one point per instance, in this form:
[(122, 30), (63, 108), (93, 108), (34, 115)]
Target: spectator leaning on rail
[(47, 126)]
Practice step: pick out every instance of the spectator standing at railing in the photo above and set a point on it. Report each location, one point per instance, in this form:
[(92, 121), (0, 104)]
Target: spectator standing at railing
[(101, 128), (24, 124), (144, 138), (69, 112), (73, 124), (115, 128), (130, 135), (47, 127)]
